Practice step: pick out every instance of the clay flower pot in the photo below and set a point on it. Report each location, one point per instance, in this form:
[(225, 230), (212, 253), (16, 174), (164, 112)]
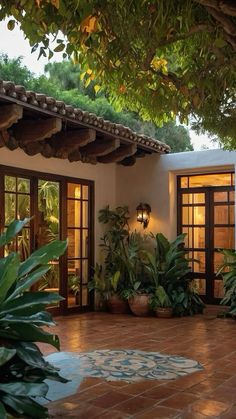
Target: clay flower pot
[(164, 312), (139, 304), (117, 306)]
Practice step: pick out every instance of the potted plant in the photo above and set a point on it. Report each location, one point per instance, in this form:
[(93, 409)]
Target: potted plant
[(161, 303), (169, 268)]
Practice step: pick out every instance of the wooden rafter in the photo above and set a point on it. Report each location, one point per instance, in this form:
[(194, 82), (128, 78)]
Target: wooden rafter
[(100, 147), (66, 142), (119, 154), (29, 131), (9, 115)]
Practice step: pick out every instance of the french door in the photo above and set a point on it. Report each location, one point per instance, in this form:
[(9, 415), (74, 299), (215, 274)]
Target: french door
[(206, 214), (60, 208)]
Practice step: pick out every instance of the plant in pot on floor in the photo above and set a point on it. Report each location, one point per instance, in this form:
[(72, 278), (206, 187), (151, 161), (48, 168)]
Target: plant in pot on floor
[(137, 291), (112, 276), (23, 317), (160, 303), (228, 272), (169, 268)]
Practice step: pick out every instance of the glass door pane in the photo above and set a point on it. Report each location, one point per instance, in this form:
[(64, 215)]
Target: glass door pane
[(78, 232), (48, 229)]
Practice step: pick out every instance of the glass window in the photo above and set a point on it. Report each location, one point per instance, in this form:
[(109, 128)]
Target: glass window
[(217, 179), (218, 288), (74, 246), (201, 285), (10, 183), (224, 237), (220, 196), (74, 190), (74, 213), (199, 215)]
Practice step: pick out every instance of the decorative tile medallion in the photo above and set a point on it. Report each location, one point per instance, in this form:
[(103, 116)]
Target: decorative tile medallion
[(126, 365)]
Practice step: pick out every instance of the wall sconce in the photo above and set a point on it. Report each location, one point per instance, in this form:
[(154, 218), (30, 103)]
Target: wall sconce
[(143, 214)]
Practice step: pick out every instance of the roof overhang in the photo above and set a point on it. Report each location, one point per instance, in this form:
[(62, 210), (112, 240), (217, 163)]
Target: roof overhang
[(41, 124)]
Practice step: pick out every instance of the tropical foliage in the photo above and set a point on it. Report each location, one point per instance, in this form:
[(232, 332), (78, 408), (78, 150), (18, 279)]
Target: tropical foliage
[(163, 59), (23, 318), (169, 268), (228, 272), (62, 81)]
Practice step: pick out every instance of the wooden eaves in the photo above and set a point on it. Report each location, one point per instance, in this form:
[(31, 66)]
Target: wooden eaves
[(40, 124)]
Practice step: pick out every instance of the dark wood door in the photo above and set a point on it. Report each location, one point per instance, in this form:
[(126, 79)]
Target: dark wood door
[(60, 208), (206, 215)]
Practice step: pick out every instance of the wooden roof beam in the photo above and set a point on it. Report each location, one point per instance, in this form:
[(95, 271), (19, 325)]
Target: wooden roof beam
[(9, 115), (30, 131), (100, 147), (119, 154), (66, 142)]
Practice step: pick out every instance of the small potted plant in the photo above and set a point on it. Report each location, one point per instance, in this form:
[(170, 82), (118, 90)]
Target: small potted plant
[(161, 304)]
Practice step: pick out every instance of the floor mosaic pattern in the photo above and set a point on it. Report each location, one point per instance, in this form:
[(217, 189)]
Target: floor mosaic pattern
[(111, 365)]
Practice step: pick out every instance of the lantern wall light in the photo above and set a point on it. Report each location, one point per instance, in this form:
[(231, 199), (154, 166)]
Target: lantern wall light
[(143, 214)]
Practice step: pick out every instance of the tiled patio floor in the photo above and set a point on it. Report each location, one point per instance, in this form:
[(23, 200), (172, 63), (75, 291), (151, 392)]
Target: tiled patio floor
[(210, 393)]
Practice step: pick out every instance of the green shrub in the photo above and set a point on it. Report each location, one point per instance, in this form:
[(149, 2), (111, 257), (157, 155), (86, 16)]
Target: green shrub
[(23, 369)]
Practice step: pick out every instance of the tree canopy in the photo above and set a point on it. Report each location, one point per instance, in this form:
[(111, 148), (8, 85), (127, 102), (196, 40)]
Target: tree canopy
[(63, 82), (161, 58)]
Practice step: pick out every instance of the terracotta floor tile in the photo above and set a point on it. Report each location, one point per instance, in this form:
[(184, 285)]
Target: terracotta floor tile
[(110, 399), (158, 412), (179, 400), (210, 407), (135, 405), (198, 338)]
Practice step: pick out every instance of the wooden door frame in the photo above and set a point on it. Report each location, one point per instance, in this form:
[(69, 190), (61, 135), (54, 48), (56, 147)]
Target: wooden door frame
[(209, 229), (63, 180)]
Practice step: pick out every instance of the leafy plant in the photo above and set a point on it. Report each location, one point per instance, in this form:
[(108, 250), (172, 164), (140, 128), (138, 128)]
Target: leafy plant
[(160, 298), (23, 369), (229, 279), (168, 267), (105, 286)]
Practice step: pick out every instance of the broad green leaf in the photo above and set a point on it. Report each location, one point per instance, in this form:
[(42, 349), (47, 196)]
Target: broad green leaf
[(30, 299), (26, 283), (25, 389), (12, 230), (31, 333), (6, 354), (39, 319), (3, 413), (24, 405), (8, 274)]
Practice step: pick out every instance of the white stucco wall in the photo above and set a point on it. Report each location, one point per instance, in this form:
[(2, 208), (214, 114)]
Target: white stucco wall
[(153, 180), (104, 176)]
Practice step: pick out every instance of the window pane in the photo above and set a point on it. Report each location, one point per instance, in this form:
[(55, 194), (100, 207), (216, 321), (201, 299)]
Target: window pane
[(218, 260), (23, 242), (74, 190), (189, 237), (73, 213), (85, 192), (187, 217), (218, 179), (231, 214), (23, 185), (85, 244), (220, 197), (199, 215), (218, 288), (199, 237), (199, 198), (85, 278), (23, 206), (73, 243), (84, 296), (10, 207), (184, 182), (187, 198), (201, 285), (85, 214), (221, 214), (10, 183), (232, 196), (224, 237), (199, 266), (74, 282)]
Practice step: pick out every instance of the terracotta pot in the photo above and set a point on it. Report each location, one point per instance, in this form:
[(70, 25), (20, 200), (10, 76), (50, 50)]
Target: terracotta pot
[(117, 306), (139, 304), (164, 312)]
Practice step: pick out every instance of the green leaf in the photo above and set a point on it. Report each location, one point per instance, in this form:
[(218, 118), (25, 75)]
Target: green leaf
[(31, 333), (24, 405), (40, 319), (31, 279), (25, 389), (59, 47), (8, 274), (11, 25), (3, 413), (12, 230), (6, 354), (30, 299)]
